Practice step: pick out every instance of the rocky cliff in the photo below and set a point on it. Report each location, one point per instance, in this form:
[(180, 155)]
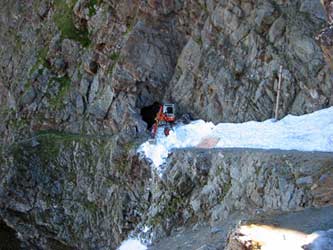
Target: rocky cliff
[(71, 190), (92, 65), (76, 76), (211, 185)]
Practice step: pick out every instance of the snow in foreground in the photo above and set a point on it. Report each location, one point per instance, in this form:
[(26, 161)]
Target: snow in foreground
[(132, 244), (272, 238), (311, 132)]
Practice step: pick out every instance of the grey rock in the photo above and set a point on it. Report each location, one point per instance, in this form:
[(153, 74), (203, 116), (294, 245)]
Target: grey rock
[(71, 53), (206, 247), (215, 230), (305, 48), (59, 64), (264, 15), (93, 89), (63, 178), (224, 18), (277, 29), (79, 104), (100, 107), (84, 86), (242, 180), (29, 96), (196, 205), (304, 180), (314, 8), (190, 57)]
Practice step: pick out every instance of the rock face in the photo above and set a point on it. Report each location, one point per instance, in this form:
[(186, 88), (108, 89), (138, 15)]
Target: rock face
[(92, 65), (210, 185), (71, 192), (231, 68), (85, 70), (325, 37)]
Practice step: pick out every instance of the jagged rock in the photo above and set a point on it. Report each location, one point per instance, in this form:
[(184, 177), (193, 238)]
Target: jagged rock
[(162, 51), (325, 37), (328, 6), (100, 107), (323, 190), (277, 29), (62, 190), (314, 8), (224, 181)]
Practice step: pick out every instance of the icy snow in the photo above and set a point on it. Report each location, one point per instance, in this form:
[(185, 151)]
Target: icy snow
[(132, 244), (274, 238), (311, 132)]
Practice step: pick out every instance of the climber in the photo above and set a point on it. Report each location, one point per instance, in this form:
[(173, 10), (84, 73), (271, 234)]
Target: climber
[(164, 117)]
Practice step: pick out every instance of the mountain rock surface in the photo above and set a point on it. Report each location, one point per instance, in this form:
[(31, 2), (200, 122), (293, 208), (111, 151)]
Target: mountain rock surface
[(76, 75)]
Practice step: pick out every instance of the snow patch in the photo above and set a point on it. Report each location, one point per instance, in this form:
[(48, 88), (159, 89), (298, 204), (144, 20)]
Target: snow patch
[(132, 244), (311, 132), (138, 239), (274, 238)]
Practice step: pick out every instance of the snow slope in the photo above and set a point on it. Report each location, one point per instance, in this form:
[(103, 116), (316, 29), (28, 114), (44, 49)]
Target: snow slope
[(311, 132), (132, 244)]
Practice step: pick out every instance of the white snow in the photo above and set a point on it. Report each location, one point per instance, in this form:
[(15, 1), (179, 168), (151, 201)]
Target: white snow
[(311, 132), (138, 239), (274, 238), (132, 244)]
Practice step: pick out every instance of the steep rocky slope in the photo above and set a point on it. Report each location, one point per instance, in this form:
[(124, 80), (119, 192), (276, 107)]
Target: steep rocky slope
[(71, 190), (75, 75), (210, 185), (92, 65)]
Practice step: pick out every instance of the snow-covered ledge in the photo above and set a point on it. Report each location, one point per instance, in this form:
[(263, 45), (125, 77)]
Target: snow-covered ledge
[(311, 132)]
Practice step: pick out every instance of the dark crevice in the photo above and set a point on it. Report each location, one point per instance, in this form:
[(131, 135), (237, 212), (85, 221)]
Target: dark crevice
[(148, 114), (8, 239)]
